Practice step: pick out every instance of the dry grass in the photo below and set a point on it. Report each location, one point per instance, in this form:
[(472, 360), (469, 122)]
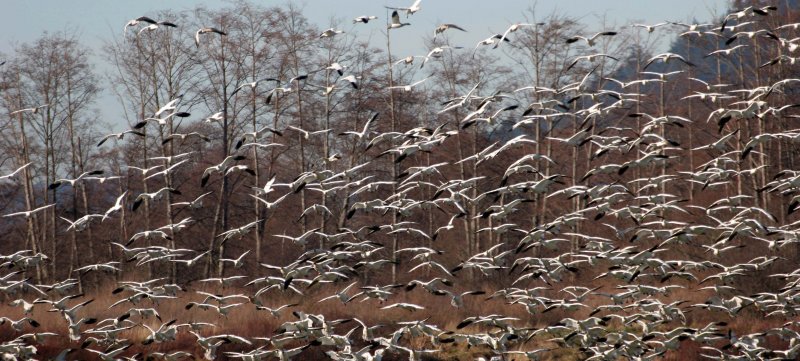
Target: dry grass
[(246, 321)]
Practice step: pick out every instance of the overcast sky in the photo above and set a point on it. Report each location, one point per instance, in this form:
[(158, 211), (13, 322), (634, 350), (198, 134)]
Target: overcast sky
[(99, 20)]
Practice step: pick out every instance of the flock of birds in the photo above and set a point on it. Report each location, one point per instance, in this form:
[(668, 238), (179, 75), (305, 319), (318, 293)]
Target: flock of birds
[(632, 314)]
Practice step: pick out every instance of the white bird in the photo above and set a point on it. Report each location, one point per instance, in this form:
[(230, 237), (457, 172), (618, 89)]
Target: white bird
[(27, 214), (256, 135), (329, 33), (511, 29), (590, 58), (171, 158), (364, 19), (239, 232), (160, 121), (190, 262), (14, 173), (156, 26), (166, 171), (406, 306), (154, 196), (411, 9), (307, 133), (116, 207), (444, 27), (236, 262), (665, 57), (183, 137), (240, 168), (148, 235), (170, 106), (82, 223), (119, 136), (34, 110), (409, 86), (206, 31), (590, 41), (495, 39), (396, 21), (71, 182), (194, 204), (350, 79), (649, 28), (341, 295), (222, 167), (145, 171), (110, 355), (365, 130), (136, 21), (436, 53), (726, 52)]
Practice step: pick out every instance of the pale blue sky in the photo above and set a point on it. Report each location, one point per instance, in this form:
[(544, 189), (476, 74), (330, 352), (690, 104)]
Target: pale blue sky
[(25, 20), (99, 20)]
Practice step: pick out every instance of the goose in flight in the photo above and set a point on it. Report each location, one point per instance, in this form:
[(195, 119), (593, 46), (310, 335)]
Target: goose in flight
[(220, 168), (14, 173), (396, 21), (143, 170), (725, 52), (195, 204), (436, 53), (365, 130), (665, 57), (239, 232), (154, 196), (172, 105), (240, 168), (34, 110), (330, 33), (155, 26), (160, 121), (350, 79), (72, 182), (443, 27), (590, 41), (252, 85), (590, 58), (148, 235), (82, 223), (256, 135), (364, 19), (116, 207), (408, 60), (511, 29), (137, 21), (339, 68), (171, 158), (183, 137), (236, 262), (495, 39), (268, 187), (166, 171), (409, 10), (409, 86), (119, 136), (406, 306), (306, 133), (206, 31), (649, 28), (27, 214), (190, 262)]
